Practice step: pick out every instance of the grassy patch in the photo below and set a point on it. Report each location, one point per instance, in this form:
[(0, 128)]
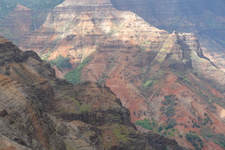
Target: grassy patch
[(61, 62), (170, 132), (45, 56), (121, 132), (148, 84), (146, 124), (81, 107), (74, 75), (86, 107), (171, 123)]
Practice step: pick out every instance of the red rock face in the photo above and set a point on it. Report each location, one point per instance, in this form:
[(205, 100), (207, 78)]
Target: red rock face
[(158, 76), (40, 111)]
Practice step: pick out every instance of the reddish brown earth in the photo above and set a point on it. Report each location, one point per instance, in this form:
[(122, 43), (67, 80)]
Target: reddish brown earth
[(39, 111), (141, 64)]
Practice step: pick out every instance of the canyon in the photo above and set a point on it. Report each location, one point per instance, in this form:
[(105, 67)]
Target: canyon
[(170, 82), (39, 111)]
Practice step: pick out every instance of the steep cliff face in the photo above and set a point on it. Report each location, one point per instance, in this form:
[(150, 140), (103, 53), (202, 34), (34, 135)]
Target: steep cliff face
[(164, 86), (80, 28), (39, 111), (205, 18), (163, 79)]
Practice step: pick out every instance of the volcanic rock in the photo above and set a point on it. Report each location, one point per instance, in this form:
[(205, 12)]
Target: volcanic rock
[(40, 111)]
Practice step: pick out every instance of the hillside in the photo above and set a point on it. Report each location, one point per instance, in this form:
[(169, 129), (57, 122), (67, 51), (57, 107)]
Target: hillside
[(205, 18), (164, 79), (39, 111)]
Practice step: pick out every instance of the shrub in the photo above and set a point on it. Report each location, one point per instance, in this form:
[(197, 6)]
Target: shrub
[(170, 111), (170, 123), (160, 129), (61, 62), (170, 99), (195, 140), (216, 138)]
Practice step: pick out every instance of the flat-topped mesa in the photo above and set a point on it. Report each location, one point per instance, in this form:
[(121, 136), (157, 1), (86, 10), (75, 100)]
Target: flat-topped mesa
[(74, 7), (85, 3), (21, 7)]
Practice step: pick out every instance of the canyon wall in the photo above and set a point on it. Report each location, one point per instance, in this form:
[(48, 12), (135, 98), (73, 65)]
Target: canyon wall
[(166, 80)]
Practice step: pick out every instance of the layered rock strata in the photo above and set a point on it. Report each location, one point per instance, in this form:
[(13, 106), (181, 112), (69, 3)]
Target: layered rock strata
[(39, 111), (163, 79)]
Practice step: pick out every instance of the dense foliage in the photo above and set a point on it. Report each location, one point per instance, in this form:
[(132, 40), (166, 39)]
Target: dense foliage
[(169, 103), (145, 124), (61, 62), (195, 140), (74, 75)]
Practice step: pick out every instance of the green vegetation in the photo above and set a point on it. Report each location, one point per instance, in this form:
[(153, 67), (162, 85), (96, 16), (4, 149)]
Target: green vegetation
[(74, 75), (169, 129), (45, 56), (170, 99), (111, 32), (169, 104), (61, 62), (148, 84), (207, 120), (170, 132), (146, 124), (183, 76), (195, 140), (170, 111), (216, 138), (85, 108), (170, 123), (186, 80), (116, 118), (160, 129), (121, 132), (81, 107)]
